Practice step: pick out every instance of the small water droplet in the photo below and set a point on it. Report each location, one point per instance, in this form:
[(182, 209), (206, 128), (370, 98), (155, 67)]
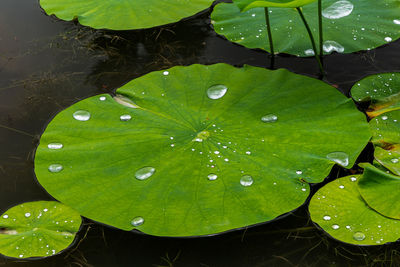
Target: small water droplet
[(144, 173), (137, 221), (353, 179), (299, 172), (335, 226), (216, 152), (388, 39), (45, 210), (212, 177), (165, 73), (269, 118), (81, 115), (338, 10), (248, 152), (55, 168), (125, 117), (246, 180), (309, 52), (55, 146), (102, 98), (394, 160), (27, 215), (5, 216), (304, 189), (331, 46), (340, 158), (396, 21), (384, 118), (217, 91), (341, 186), (327, 218), (21, 256), (358, 236)]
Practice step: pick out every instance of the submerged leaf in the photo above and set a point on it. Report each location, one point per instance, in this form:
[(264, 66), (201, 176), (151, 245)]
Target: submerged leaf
[(245, 5), (349, 26), (37, 229), (207, 149), (339, 210), (122, 14), (381, 191)]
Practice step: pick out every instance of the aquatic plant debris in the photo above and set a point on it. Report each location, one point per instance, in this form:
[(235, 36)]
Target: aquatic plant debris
[(189, 162), (124, 15), (37, 229), (348, 26), (339, 210)]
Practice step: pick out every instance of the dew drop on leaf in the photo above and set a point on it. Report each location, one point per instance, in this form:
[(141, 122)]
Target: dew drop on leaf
[(137, 221), (217, 91), (359, 236), (340, 158), (144, 173), (55, 168), (269, 118), (55, 146), (246, 180), (327, 218), (81, 115), (335, 226), (125, 117), (338, 10), (212, 177)]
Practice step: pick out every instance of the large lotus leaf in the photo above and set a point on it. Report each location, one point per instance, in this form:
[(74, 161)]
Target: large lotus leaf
[(339, 210), (199, 150), (124, 14), (381, 191), (383, 90), (37, 229), (348, 26), (245, 5)]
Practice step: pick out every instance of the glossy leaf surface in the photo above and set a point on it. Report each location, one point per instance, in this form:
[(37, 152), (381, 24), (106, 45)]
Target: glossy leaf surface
[(245, 5)]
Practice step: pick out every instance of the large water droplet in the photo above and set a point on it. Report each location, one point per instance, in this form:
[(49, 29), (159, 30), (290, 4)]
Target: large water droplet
[(340, 158), (55, 168), (246, 180), (125, 117), (331, 46), (217, 91), (81, 115), (212, 177), (55, 146), (137, 221), (269, 118), (338, 10), (144, 173), (359, 236)]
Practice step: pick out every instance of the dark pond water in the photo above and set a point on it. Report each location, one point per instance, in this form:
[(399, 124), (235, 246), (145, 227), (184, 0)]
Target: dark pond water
[(47, 65)]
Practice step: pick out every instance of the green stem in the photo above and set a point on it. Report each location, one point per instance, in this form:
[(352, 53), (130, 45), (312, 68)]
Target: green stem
[(321, 39), (312, 39), (271, 43)]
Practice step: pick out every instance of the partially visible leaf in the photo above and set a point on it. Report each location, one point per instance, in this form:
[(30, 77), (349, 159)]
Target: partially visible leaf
[(389, 158), (381, 191), (199, 150), (339, 210), (245, 5), (37, 229)]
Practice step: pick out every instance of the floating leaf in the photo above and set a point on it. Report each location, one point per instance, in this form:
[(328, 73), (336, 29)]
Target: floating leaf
[(207, 148), (37, 229), (245, 5), (389, 158), (383, 90), (381, 191), (124, 15), (348, 26), (339, 210)]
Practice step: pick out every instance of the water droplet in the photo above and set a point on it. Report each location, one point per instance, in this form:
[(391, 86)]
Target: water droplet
[(248, 152), (137, 221), (81, 115), (125, 117), (304, 189), (217, 91), (299, 172), (384, 118), (269, 118), (27, 215), (55, 168), (396, 21), (21, 256), (165, 73), (327, 218), (388, 39), (394, 160), (359, 236), (335, 227), (246, 180), (340, 158), (331, 46), (353, 179), (55, 146), (309, 52), (338, 10), (216, 152), (144, 173), (341, 186), (102, 98), (212, 177), (5, 216), (45, 210)]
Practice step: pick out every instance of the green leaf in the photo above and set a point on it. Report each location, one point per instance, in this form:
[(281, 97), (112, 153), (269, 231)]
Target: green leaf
[(348, 26), (37, 229), (389, 158), (124, 14), (206, 149), (383, 90), (245, 5), (381, 190), (339, 210)]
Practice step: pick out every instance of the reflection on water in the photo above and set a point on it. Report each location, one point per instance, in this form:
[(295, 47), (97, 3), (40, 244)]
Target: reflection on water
[(46, 65)]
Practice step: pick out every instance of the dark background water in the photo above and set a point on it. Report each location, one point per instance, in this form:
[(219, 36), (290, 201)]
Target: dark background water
[(47, 65)]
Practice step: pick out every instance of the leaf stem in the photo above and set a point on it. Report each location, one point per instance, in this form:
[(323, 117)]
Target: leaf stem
[(311, 39), (321, 38), (271, 43)]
